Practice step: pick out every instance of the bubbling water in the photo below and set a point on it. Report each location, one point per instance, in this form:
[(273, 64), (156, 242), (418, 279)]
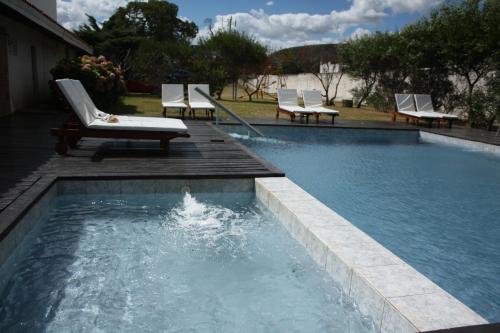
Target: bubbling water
[(208, 225)]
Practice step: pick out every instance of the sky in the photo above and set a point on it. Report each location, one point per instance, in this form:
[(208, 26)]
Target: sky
[(279, 23)]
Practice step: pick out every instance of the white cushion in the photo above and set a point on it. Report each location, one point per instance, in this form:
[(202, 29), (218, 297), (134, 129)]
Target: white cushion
[(295, 109), (287, 98), (421, 114), (312, 98), (404, 102), (172, 93), (200, 105), (174, 105), (196, 97), (141, 124)]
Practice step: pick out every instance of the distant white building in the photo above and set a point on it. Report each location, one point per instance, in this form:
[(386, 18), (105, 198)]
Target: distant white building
[(31, 44)]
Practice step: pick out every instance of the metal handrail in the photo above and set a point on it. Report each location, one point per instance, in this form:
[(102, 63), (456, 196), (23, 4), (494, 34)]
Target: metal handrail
[(218, 106)]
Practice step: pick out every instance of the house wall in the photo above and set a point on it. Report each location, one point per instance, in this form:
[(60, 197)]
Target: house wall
[(31, 54)]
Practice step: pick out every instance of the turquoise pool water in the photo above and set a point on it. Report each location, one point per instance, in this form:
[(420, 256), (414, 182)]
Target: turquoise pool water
[(435, 206), (167, 263)]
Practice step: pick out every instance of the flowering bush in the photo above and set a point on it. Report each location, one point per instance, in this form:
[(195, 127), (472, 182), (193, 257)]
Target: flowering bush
[(100, 77)]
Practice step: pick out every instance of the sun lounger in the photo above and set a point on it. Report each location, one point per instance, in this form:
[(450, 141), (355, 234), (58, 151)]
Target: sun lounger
[(88, 121), (287, 103), (198, 101), (172, 96), (405, 107), (314, 102), (424, 104)]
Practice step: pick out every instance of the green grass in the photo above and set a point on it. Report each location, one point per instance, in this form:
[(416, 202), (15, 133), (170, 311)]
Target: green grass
[(148, 105)]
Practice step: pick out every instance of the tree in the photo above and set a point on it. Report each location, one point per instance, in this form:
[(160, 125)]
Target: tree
[(466, 32), (233, 53), (139, 27)]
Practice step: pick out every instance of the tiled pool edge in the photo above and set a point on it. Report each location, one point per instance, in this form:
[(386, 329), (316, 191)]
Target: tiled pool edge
[(458, 142), (392, 293)]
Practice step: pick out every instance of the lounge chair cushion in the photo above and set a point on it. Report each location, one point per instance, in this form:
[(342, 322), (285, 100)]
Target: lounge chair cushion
[(421, 114), (296, 109), (90, 117), (172, 93), (404, 103), (177, 105), (201, 105), (140, 124), (424, 104)]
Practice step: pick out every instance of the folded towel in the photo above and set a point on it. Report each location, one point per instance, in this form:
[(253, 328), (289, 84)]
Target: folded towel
[(111, 119)]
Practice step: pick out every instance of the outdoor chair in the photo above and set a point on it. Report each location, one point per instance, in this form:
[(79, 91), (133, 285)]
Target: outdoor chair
[(424, 104), (198, 101), (314, 102), (88, 121), (405, 107), (172, 96), (288, 103)]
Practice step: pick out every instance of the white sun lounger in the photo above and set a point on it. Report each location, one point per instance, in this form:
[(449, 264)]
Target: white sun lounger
[(314, 102), (288, 103), (405, 107), (198, 101), (172, 96), (88, 121), (424, 104)]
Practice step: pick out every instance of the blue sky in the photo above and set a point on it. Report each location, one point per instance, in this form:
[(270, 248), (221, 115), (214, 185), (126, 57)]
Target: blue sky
[(278, 23)]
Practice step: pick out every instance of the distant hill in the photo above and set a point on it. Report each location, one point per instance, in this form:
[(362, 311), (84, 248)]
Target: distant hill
[(294, 59)]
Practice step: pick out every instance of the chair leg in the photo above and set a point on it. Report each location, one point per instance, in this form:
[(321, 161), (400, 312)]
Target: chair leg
[(62, 145), (164, 112), (317, 118), (333, 119), (165, 145)]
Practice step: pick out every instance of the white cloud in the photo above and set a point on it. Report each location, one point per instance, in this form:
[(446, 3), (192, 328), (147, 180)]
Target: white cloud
[(270, 3), (71, 13), (291, 29), (359, 32)]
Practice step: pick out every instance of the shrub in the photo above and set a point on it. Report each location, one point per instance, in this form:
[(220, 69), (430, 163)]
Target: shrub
[(100, 77)]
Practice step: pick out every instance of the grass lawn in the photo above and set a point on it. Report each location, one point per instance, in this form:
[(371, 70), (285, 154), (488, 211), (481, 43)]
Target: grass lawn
[(149, 105)]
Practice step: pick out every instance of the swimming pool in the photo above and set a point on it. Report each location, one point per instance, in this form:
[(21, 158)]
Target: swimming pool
[(210, 260), (437, 207)]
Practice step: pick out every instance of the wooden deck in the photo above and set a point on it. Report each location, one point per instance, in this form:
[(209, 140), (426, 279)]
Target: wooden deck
[(27, 156)]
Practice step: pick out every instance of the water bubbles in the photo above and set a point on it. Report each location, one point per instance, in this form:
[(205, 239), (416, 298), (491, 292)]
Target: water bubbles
[(211, 226)]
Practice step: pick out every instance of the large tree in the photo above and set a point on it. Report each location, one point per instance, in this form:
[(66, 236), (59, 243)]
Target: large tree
[(138, 27), (360, 57), (232, 53)]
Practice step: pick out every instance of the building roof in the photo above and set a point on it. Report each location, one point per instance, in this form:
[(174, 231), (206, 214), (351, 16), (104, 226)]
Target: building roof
[(23, 9)]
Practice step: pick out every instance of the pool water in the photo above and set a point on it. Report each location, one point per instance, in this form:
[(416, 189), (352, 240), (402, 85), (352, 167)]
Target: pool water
[(437, 207), (169, 263)]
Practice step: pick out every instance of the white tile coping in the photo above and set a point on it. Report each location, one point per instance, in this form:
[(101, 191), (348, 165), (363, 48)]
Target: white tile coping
[(396, 296), (462, 143)]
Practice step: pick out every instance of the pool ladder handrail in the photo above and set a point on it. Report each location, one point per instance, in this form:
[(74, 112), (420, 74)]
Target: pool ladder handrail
[(218, 106)]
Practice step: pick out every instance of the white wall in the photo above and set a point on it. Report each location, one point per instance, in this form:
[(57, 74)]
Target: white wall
[(49, 7), (49, 52), (310, 82)]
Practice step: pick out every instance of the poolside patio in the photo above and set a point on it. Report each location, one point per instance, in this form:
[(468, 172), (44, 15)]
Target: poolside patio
[(27, 152)]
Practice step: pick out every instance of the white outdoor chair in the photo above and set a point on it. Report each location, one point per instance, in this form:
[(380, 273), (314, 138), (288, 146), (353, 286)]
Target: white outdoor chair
[(198, 101), (172, 96), (405, 107), (288, 103), (88, 121), (424, 104), (314, 102)]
